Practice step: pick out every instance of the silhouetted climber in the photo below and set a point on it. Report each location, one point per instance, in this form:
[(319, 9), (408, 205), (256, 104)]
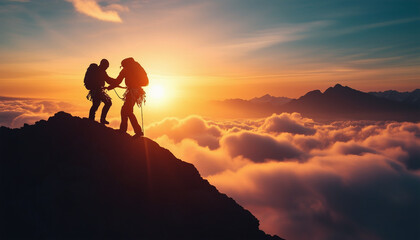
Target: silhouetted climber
[(95, 79), (135, 78)]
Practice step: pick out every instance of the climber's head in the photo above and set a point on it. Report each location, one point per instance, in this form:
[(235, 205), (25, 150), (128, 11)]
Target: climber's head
[(104, 64)]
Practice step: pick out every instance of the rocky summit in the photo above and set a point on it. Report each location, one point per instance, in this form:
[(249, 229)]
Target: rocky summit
[(72, 178)]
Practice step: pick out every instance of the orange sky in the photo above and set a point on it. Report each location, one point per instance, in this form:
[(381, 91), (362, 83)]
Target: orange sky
[(198, 51)]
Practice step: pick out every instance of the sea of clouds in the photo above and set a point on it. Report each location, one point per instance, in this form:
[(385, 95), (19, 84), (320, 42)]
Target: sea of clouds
[(308, 180), (15, 112), (302, 179)]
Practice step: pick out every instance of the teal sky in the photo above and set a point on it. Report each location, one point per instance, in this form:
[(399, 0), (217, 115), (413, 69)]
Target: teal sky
[(270, 45)]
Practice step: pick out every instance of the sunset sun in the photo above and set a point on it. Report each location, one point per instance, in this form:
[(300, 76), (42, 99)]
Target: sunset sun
[(156, 93)]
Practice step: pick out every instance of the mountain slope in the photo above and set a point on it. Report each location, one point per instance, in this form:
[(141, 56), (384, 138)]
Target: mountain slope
[(70, 178)]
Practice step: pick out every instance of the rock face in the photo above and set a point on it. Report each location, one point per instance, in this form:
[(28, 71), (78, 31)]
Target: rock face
[(70, 178)]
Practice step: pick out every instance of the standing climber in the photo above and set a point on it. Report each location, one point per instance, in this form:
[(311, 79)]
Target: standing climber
[(95, 79), (135, 78)]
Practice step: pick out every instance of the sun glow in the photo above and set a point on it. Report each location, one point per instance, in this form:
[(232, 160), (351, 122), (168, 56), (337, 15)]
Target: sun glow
[(156, 93)]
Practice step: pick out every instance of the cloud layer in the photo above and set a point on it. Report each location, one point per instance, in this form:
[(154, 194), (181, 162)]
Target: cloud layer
[(91, 8), (192, 127), (14, 112), (306, 180)]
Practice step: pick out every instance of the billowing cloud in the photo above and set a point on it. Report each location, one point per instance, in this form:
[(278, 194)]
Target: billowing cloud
[(209, 162), (14, 112), (357, 197), (307, 180), (258, 147), (192, 127), (91, 8), (292, 123), (351, 148)]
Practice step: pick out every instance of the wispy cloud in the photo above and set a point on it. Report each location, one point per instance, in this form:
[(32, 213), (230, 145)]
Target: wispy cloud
[(268, 37), (91, 8), (376, 25)]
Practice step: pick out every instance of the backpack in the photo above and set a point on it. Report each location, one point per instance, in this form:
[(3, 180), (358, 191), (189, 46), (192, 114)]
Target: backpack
[(91, 77), (136, 75)]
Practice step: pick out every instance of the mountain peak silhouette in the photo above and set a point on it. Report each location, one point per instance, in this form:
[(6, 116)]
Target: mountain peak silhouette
[(345, 103), (342, 91), (312, 94), (268, 99), (72, 178)]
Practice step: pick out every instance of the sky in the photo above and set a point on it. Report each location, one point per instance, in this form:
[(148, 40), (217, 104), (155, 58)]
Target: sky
[(300, 178), (229, 48)]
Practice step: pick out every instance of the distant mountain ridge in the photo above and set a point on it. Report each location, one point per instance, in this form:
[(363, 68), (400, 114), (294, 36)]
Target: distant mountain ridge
[(335, 103), (268, 99), (412, 97), (254, 107), (72, 178), (345, 103)]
